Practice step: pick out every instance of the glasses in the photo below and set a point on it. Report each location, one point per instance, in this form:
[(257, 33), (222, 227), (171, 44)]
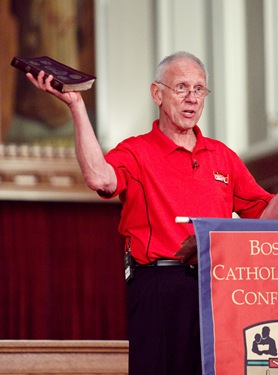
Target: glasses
[(182, 91)]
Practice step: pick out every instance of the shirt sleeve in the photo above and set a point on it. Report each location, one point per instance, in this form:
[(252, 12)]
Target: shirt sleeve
[(125, 161), (250, 199)]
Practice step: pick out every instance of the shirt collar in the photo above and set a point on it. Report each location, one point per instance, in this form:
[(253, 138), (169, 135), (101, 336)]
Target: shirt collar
[(167, 146)]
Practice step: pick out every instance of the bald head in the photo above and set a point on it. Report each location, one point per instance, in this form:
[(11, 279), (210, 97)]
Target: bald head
[(167, 61)]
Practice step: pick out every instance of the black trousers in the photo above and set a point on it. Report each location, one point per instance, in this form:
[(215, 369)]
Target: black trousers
[(164, 335)]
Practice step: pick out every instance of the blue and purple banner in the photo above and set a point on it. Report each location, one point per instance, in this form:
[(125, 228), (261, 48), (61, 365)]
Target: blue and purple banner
[(238, 277)]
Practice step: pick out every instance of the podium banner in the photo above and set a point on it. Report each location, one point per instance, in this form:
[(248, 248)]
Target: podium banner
[(238, 292)]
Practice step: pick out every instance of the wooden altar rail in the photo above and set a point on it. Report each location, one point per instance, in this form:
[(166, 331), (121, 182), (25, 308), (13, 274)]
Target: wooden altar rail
[(63, 357)]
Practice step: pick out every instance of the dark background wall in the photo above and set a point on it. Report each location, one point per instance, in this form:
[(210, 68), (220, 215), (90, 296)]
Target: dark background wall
[(61, 271)]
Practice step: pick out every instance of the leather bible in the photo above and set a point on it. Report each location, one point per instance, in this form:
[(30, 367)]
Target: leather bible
[(65, 78)]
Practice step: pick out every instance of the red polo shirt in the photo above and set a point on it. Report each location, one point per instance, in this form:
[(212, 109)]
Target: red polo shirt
[(158, 180)]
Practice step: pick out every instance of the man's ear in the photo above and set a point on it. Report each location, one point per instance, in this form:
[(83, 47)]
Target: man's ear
[(156, 94)]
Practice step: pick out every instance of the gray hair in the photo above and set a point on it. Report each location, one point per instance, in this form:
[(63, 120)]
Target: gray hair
[(176, 56)]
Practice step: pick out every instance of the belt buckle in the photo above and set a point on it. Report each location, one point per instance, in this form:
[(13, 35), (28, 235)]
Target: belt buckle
[(168, 262)]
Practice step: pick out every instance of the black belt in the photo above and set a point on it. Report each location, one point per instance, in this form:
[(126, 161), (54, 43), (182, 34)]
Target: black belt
[(164, 263)]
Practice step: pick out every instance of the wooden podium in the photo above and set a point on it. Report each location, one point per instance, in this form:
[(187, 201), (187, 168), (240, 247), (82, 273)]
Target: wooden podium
[(63, 357)]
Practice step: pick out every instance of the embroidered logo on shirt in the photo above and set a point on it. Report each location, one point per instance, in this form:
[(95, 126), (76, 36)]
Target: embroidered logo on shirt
[(221, 177)]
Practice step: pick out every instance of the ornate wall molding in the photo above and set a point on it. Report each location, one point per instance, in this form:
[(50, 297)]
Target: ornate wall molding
[(46, 173), (64, 357)]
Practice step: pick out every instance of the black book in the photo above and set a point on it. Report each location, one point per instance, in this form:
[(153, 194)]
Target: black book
[(65, 77)]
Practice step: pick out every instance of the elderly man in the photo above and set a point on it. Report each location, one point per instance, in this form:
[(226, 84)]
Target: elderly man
[(172, 170)]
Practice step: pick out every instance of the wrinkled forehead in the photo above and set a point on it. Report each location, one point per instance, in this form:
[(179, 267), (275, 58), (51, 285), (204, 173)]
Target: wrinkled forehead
[(184, 70)]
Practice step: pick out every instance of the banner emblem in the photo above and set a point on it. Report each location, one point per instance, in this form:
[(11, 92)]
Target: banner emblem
[(261, 348)]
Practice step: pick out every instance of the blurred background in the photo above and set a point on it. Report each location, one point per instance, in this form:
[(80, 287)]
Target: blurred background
[(61, 273)]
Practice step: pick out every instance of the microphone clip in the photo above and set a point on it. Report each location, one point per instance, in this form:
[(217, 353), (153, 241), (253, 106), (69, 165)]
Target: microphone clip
[(195, 164)]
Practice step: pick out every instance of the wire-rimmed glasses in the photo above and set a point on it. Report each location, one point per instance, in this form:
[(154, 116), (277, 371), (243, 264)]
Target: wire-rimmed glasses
[(182, 91)]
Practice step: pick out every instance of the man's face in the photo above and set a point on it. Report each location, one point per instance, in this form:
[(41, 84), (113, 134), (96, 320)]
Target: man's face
[(181, 114)]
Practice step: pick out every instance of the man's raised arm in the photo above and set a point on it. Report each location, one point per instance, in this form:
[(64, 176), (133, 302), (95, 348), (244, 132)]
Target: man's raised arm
[(98, 174)]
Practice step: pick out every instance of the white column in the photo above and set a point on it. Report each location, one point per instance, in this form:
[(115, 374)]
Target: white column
[(102, 63), (229, 73), (124, 67), (164, 28), (271, 63), (181, 26)]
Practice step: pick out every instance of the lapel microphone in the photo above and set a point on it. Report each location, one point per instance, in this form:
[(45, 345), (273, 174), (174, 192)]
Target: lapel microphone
[(195, 164)]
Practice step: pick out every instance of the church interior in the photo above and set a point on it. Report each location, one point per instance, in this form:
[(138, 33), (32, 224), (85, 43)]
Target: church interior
[(62, 285)]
